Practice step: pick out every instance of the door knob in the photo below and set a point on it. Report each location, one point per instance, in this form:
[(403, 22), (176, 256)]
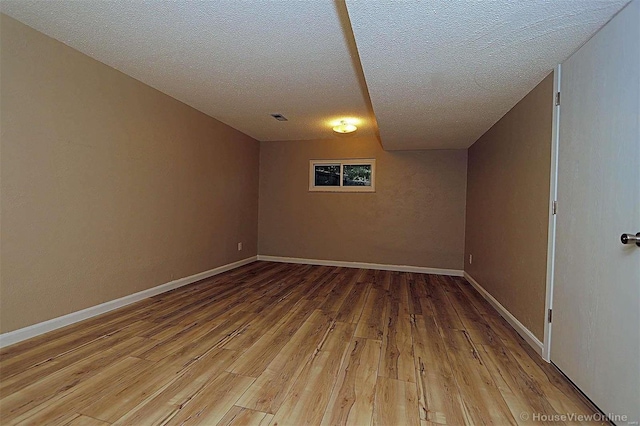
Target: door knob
[(630, 239)]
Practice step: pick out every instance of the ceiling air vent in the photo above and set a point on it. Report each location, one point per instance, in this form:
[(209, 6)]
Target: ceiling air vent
[(279, 117)]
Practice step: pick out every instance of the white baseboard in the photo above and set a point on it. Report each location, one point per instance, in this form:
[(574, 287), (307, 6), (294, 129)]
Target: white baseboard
[(19, 335), (523, 331), (379, 266)]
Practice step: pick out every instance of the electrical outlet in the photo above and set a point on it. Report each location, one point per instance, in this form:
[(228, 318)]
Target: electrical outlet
[(470, 259), (239, 246)]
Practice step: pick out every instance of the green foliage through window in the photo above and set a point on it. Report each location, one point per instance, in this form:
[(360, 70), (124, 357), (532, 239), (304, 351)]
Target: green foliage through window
[(356, 175), (344, 175)]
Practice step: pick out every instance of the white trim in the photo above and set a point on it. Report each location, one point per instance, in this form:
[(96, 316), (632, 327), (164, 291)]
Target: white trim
[(362, 265), (344, 162), (551, 233), (523, 331), (21, 334)]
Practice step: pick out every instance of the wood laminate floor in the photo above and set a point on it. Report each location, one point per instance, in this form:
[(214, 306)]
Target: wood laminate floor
[(283, 344)]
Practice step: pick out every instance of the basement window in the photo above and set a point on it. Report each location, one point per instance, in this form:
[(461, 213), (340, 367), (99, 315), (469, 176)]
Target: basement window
[(353, 175)]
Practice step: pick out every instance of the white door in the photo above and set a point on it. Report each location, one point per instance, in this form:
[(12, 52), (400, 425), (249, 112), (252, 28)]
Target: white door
[(596, 295)]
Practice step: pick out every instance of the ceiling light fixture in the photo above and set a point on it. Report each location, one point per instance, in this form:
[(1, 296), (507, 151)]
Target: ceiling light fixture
[(345, 127)]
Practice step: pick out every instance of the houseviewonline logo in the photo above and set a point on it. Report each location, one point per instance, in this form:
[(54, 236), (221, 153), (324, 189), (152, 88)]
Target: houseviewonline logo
[(575, 417)]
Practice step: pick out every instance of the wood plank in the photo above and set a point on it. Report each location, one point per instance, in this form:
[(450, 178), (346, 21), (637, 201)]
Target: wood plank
[(336, 279), (81, 420), (400, 292), (397, 345), (63, 406), (173, 344), (352, 307), (61, 382), (340, 291), (481, 398), (498, 325), (166, 402), (520, 392), (320, 289), (121, 396), (213, 401), (396, 403), (308, 398), (446, 316), (240, 416), (58, 347), (562, 396), (372, 321), (417, 291), (256, 358), (38, 371), (353, 395), (268, 320), (382, 280), (480, 330), (270, 389), (438, 395)]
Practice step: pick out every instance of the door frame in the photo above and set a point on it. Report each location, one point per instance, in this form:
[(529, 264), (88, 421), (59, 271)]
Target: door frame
[(553, 198)]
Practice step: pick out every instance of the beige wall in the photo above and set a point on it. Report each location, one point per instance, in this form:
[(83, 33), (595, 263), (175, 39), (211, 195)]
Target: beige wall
[(415, 217), (109, 187), (507, 207)]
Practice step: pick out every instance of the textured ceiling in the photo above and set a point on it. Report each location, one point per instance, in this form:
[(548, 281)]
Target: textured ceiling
[(441, 73), (438, 73), (237, 61)]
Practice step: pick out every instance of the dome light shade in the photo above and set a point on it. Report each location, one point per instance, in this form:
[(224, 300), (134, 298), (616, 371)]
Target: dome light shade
[(345, 127)]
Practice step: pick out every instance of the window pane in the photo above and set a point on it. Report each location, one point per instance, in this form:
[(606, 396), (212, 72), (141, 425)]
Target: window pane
[(327, 175), (357, 175)]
